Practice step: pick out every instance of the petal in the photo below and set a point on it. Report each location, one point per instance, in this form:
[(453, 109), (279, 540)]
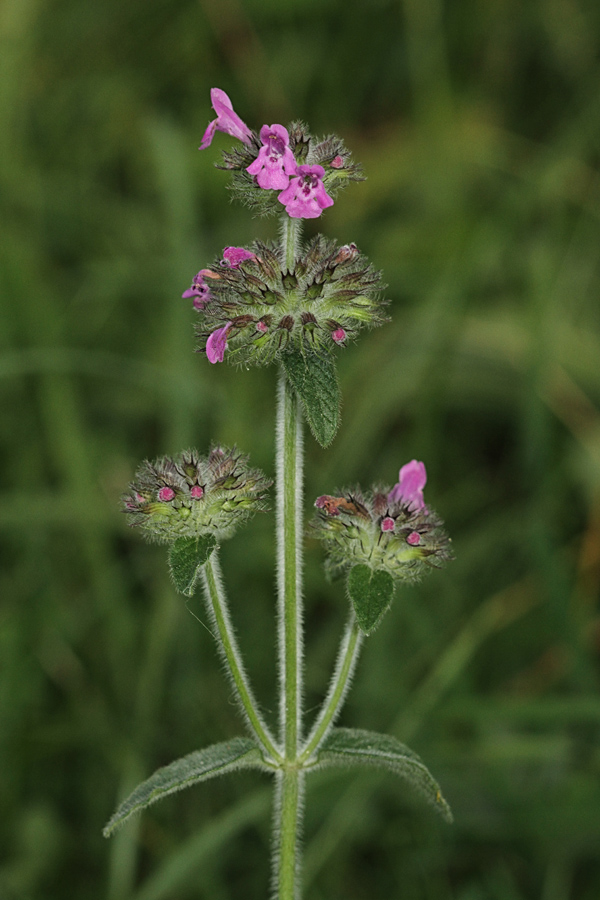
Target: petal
[(413, 477), (208, 135), (409, 490), (220, 100), (322, 197), (217, 344), (289, 193), (255, 166), (303, 209), (235, 255), (230, 123), (290, 166), (278, 130), (272, 178)]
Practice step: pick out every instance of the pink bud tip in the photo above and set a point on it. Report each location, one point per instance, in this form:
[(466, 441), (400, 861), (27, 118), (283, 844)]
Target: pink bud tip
[(339, 335), (140, 498), (260, 326), (197, 492), (337, 162), (388, 524), (413, 538), (165, 494)]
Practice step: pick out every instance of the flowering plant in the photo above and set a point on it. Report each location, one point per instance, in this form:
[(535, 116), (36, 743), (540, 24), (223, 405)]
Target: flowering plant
[(294, 306)]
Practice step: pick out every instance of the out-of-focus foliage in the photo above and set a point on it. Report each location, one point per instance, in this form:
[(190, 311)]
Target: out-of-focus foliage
[(478, 125)]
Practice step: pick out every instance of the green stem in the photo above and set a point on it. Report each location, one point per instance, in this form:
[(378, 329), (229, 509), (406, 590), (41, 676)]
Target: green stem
[(219, 614), (289, 556), (338, 688), (290, 791), (290, 237), (289, 465)]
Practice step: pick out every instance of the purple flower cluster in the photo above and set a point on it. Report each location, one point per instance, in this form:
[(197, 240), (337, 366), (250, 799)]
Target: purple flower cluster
[(275, 168)]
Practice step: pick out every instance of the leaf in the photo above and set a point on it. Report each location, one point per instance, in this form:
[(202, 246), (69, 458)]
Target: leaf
[(356, 747), (371, 594), (218, 759), (186, 556), (314, 378)]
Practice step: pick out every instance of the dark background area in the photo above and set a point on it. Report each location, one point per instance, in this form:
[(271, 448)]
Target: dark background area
[(478, 125)]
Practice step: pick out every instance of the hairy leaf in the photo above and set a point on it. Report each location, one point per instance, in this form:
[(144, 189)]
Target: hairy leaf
[(371, 594), (314, 378), (218, 759), (356, 747), (186, 556)]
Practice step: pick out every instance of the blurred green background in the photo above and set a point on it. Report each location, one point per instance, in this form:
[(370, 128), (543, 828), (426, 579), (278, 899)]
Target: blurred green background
[(478, 124)]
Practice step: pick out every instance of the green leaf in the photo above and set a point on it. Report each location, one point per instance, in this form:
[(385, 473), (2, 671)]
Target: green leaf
[(314, 378), (356, 747), (371, 593), (186, 556), (218, 759)]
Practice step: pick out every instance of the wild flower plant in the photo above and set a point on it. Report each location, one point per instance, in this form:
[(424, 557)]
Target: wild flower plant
[(295, 306)]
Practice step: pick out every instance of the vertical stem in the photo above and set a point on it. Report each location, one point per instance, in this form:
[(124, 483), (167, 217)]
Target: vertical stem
[(288, 811), (290, 236), (289, 557), (289, 464)]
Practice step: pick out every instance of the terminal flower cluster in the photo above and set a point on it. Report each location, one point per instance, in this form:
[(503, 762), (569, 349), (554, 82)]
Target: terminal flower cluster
[(255, 308), (193, 495), (390, 530), (302, 170)]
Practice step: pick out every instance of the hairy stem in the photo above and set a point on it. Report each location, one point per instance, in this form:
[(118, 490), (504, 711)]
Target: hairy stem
[(219, 614), (290, 237), (289, 558), (338, 688), (289, 465), (288, 812)]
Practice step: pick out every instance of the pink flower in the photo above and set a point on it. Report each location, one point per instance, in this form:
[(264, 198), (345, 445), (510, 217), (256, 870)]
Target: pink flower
[(216, 344), (233, 256), (409, 490), (199, 290), (388, 524), (305, 197), (227, 120), (275, 161)]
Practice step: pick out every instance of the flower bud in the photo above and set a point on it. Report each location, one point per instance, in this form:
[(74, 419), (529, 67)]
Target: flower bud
[(193, 496)]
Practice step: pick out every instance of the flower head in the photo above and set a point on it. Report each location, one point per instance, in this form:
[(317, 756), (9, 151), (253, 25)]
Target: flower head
[(305, 197), (409, 489), (227, 120), (259, 308), (192, 495), (403, 539), (275, 161)]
